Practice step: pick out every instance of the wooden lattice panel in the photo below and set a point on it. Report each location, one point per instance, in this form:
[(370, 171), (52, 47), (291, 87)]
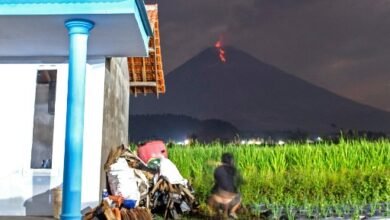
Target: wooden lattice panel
[(146, 73)]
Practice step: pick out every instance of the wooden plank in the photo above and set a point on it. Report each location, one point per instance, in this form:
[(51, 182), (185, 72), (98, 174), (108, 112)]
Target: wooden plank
[(144, 71), (143, 84), (155, 60), (132, 69)]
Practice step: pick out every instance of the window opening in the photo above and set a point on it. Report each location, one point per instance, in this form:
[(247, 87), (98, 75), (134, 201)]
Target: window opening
[(44, 110)]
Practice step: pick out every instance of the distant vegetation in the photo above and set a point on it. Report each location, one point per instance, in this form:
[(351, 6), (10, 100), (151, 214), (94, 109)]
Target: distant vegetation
[(177, 128), (322, 178), (170, 127)]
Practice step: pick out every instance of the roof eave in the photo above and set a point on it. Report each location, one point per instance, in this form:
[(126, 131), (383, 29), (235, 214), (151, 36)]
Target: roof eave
[(144, 18), (122, 27)]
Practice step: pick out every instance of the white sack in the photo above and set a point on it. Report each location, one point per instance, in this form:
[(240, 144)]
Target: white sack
[(169, 170), (122, 180)]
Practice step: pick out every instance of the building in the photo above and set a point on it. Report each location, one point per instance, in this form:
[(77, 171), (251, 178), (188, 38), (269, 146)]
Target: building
[(146, 73), (65, 100)]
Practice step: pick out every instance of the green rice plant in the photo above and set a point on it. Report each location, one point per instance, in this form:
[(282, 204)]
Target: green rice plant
[(309, 208), (324, 210), (387, 209), (276, 211), (357, 211), (373, 208), (351, 172), (290, 211), (338, 210)]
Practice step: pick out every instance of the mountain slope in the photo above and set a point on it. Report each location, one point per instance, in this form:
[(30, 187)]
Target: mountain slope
[(255, 96)]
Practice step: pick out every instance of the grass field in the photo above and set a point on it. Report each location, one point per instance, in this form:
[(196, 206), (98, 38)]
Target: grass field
[(314, 177)]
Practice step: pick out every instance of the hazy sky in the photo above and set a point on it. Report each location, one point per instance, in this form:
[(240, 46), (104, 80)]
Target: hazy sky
[(341, 45)]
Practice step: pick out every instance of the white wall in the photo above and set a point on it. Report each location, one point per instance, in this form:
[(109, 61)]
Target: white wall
[(25, 191), (17, 96), (93, 126)]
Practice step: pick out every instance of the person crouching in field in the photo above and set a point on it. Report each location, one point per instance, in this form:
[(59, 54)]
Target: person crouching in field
[(225, 195)]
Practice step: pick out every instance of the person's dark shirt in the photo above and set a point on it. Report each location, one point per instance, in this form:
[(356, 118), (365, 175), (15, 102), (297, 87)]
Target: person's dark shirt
[(226, 178)]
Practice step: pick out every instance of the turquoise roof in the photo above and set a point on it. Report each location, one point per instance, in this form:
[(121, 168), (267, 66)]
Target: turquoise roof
[(74, 7), (122, 27), (13, 2)]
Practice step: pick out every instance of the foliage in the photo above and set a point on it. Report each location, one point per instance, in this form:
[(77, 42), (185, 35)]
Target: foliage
[(353, 173)]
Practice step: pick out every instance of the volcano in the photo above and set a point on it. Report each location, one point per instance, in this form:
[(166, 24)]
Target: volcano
[(255, 96)]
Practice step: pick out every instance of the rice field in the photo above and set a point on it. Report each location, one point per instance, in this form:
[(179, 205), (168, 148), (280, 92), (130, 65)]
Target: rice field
[(347, 178)]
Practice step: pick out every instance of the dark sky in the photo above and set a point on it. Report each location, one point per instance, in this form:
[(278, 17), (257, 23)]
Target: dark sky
[(341, 45)]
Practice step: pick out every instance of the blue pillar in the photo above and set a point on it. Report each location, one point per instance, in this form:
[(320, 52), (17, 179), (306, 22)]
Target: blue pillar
[(78, 36)]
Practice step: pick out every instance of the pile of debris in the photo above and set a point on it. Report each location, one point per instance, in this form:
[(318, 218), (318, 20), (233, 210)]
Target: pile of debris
[(142, 185), (106, 211)]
